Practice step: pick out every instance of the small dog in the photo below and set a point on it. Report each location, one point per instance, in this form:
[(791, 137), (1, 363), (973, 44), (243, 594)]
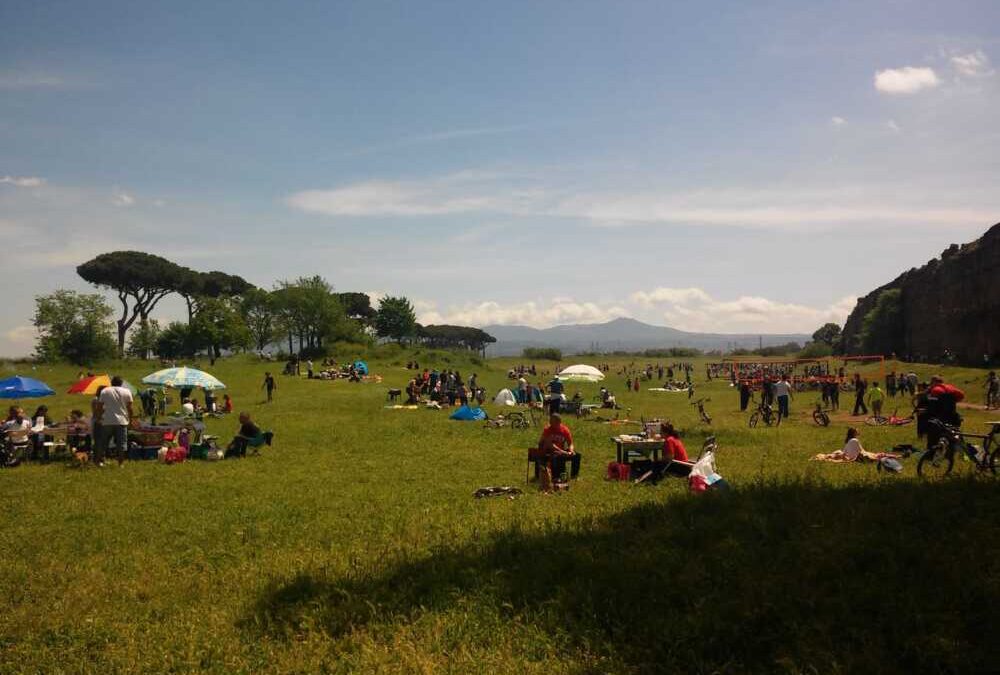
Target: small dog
[(82, 458), (394, 395)]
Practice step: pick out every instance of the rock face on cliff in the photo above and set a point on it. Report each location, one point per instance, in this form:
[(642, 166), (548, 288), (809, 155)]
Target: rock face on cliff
[(951, 303)]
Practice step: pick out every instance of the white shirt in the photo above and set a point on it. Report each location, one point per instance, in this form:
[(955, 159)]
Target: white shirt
[(116, 401), (852, 449), (781, 388), (188, 408), (14, 425)]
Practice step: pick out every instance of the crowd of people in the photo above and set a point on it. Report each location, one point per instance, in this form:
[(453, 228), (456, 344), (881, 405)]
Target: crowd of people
[(444, 387)]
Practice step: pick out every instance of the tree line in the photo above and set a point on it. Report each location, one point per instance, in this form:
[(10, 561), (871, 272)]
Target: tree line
[(224, 313)]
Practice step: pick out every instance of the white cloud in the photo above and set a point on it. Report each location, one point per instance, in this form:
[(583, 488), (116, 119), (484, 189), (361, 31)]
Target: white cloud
[(691, 309), (23, 181), (838, 121), (905, 80), (122, 198), (974, 64), (892, 126), (541, 314)]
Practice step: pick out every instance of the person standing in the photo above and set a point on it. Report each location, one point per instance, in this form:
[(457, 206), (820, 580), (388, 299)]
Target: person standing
[(269, 386), (890, 384), (744, 395), (860, 388), (114, 408), (783, 392), (875, 398), (309, 369)]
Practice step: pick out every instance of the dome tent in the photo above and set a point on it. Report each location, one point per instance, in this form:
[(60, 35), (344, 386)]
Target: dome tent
[(505, 397), (361, 367), (581, 372), (467, 414)]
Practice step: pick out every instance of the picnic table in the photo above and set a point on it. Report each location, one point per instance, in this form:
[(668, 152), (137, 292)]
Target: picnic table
[(626, 446)]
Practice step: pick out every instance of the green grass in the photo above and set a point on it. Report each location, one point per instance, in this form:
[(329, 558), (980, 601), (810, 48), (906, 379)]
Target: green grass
[(354, 545)]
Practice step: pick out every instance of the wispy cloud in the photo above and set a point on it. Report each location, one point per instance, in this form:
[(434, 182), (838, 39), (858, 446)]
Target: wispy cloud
[(23, 181), (906, 80), (892, 126), (121, 198), (432, 137), (838, 121), (973, 64), (13, 79), (792, 207)]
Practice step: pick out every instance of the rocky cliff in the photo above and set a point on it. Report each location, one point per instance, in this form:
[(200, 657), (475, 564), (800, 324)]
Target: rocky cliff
[(951, 303)]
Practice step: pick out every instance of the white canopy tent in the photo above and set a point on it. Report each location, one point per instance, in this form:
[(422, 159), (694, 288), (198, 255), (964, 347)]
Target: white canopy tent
[(582, 373)]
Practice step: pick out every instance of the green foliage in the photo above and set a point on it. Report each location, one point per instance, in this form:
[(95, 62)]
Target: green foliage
[(455, 337), (882, 327), (218, 325), (74, 327), (142, 340), (175, 341), (673, 352), (260, 316), (542, 353), (395, 319), (828, 334), (357, 306), (816, 350), (308, 311)]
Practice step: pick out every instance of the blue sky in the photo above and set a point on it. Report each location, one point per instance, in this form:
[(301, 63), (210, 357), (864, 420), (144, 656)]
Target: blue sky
[(726, 166)]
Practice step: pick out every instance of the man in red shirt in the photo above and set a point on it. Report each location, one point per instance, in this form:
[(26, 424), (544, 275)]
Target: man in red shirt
[(557, 442)]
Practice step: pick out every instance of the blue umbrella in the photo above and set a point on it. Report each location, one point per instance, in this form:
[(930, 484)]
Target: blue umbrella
[(23, 387)]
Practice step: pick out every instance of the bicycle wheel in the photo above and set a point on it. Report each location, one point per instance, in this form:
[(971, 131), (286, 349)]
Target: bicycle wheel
[(875, 421), (821, 418), (754, 418), (935, 463)]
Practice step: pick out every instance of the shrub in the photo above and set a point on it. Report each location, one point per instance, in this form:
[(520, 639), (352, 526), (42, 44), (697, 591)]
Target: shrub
[(542, 353)]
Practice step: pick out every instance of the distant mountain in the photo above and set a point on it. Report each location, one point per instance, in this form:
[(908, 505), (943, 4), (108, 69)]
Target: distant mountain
[(621, 335)]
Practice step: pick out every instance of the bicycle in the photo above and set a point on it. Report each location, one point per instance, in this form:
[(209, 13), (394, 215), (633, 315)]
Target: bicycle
[(766, 413), (893, 420), (819, 415), (702, 413), (939, 460)]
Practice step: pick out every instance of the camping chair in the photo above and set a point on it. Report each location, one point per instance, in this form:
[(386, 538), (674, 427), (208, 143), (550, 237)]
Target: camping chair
[(536, 456), (254, 444)]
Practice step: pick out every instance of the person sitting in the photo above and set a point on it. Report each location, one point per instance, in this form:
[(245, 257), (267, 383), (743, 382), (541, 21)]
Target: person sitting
[(853, 451), (412, 393), (556, 442), (187, 407), (248, 432), (227, 403), (673, 446), (42, 420), (17, 425), (78, 432)]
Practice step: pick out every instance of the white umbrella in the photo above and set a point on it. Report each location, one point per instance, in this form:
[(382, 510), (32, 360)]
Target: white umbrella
[(582, 373)]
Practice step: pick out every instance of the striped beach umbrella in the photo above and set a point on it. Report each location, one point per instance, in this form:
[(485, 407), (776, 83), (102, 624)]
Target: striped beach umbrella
[(89, 385), (179, 378)]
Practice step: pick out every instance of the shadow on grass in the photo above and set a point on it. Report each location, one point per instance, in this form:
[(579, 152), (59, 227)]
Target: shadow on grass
[(791, 577)]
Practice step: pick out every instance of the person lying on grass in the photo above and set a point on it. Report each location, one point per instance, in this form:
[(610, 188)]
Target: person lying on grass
[(248, 432), (853, 451), (557, 441)]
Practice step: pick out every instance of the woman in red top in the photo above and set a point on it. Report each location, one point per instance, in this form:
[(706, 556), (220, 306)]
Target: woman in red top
[(673, 448)]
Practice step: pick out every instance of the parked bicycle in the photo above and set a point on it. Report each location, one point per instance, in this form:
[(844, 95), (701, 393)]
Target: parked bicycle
[(702, 413), (820, 415), (893, 420), (939, 460), (764, 413)]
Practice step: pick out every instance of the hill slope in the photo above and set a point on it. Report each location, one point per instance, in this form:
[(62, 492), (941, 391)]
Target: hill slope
[(621, 335)]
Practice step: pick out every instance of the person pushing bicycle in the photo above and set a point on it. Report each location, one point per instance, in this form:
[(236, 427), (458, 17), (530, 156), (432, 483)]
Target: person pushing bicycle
[(941, 403)]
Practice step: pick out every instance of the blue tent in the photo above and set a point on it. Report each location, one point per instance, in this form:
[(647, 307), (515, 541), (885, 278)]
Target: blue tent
[(467, 414), (23, 387), (361, 367)]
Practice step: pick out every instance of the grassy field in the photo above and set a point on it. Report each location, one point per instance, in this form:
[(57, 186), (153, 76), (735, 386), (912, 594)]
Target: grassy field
[(354, 545)]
